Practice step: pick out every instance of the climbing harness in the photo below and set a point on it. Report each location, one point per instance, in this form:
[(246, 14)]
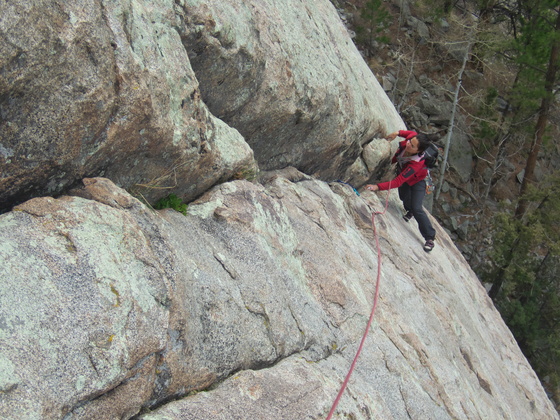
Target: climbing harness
[(345, 383)]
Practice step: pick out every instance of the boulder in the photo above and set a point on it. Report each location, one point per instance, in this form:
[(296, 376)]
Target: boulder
[(438, 110), (415, 117), (92, 88), (89, 88), (461, 154), (420, 28), (84, 307), (377, 156)]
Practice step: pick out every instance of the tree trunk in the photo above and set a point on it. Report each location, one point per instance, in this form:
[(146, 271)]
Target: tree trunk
[(496, 286), (452, 122), (501, 272), (542, 121)]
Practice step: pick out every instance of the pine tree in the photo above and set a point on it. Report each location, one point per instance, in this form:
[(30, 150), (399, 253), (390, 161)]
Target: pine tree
[(527, 258), (376, 19), (526, 249), (534, 49), (551, 38)]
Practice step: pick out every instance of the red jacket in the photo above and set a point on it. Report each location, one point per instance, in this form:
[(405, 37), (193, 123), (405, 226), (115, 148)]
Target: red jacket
[(413, 171)]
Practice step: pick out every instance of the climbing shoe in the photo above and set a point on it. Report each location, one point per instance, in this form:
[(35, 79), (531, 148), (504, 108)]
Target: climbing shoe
[(429, 245), (408, 216)]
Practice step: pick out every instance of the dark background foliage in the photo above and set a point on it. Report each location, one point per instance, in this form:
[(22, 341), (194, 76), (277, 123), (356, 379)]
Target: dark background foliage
[(507, 97)]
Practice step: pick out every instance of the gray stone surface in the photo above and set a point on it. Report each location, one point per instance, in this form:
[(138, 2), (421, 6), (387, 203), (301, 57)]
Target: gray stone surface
[(251, 306), (106, 88), (287, 75)]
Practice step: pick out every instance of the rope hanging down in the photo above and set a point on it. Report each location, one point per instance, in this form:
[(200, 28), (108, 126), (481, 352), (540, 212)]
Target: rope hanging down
[(345, 383)]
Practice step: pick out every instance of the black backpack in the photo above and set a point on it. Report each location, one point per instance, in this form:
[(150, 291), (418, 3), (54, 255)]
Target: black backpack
[(430, 155)]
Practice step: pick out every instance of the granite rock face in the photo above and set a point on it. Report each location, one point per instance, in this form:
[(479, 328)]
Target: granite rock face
[(253, 304), (166, 96), (287, 76), (258, 298)]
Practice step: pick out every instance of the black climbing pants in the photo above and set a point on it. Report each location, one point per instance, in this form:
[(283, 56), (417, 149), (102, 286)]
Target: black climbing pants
[(412, 198)]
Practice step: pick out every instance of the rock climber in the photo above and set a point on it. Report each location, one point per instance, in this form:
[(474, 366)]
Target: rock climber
[(412, 171)]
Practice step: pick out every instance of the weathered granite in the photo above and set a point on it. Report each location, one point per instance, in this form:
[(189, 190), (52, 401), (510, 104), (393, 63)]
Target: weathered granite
[(256, 299), (253, 304), (106, 88), (287, 75)]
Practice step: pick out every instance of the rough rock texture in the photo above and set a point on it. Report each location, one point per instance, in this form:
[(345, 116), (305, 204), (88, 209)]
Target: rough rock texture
[(253, 304), (91, 87), (287, 75), (259, 296), (106, 88), (83, 307)]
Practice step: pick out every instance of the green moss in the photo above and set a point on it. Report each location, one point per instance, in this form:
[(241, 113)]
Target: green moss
[(171, 202)]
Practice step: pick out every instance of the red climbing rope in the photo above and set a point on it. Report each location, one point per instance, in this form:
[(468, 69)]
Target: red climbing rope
[(345, 383)]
